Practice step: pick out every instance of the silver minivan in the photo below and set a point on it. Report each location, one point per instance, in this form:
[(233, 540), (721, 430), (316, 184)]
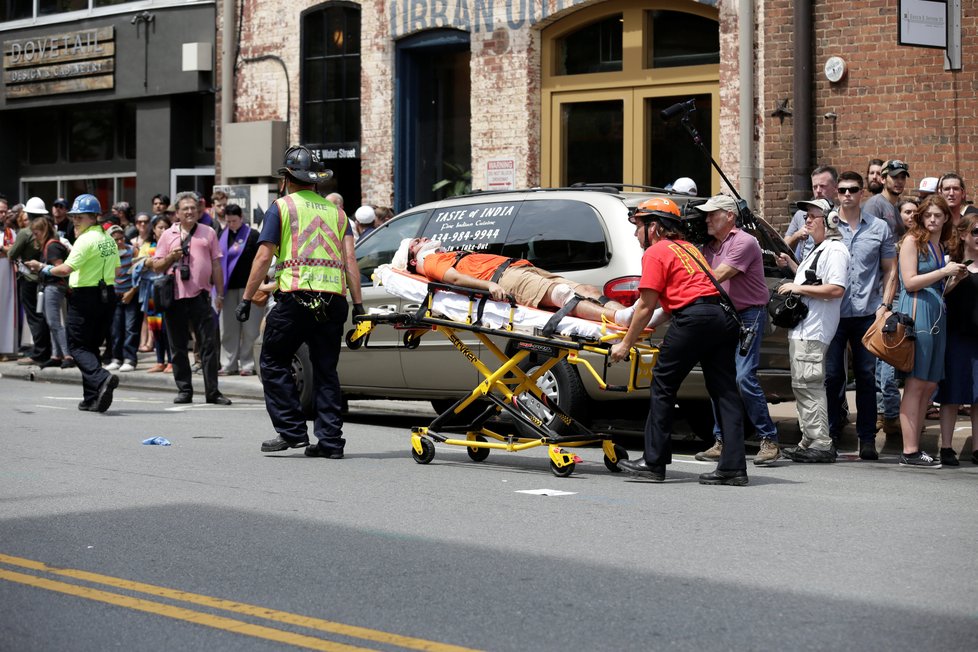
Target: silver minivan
[(583, 234)]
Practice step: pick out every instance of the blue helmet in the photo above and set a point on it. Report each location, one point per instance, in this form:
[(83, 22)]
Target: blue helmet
[(85, 204)]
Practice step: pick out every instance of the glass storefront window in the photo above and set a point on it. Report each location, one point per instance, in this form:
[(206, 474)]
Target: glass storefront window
[(671, 45), (16, 9), (91, 135), (49, 7), (594, 48), (41, 144), (671, 152), (331, 74), (593, 137)]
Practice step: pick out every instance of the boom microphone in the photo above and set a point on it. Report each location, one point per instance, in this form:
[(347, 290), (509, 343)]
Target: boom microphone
[(676, 109)]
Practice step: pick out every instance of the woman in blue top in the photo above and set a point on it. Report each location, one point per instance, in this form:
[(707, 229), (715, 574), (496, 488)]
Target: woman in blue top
[(924, 274)]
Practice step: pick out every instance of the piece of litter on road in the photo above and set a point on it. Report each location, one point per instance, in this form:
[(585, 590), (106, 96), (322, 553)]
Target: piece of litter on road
[(546, 492), (157, 441)]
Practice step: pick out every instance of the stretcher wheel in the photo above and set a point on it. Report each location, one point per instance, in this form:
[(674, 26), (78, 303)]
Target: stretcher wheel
[(621, 454), (427, 452), (351, 343), (477, 454), (562, 471), (411, 341)]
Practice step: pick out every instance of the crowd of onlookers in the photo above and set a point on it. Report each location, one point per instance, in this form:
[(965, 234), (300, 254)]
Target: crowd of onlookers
[(889, 247), (35, 305)]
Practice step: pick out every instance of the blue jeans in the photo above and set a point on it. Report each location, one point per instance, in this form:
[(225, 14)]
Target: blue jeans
[(125, 330), (851, 331), (755, 404), (887, 391), (54, 306)]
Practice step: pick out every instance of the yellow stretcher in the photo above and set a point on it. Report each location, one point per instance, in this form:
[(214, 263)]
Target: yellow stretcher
[(506, 387)]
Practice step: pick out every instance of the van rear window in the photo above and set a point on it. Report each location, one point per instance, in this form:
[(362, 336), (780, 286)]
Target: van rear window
[(554, 234)]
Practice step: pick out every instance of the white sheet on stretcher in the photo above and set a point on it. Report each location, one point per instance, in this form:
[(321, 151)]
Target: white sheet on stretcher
[(495, 314)]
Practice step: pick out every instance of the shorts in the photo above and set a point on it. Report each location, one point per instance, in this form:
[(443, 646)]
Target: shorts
[(530, 285)]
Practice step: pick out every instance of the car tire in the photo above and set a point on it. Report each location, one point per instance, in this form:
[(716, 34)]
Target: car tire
[(563, 385), (302, 372), (698, 415)]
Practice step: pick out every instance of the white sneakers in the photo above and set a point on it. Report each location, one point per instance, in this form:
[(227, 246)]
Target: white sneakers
[(127, 366), (113, 366)]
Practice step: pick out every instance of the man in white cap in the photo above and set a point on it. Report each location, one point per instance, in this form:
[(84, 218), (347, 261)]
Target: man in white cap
[(25, 249), (928, 186), (738, 264), (684, 186), (366, 221), (820, 280)]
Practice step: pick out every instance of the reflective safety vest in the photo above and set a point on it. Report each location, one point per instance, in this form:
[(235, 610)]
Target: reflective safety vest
[(310, 252)]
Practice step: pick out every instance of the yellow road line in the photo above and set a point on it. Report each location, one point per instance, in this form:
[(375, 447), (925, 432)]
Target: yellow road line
[(179, 613), (285, 617)]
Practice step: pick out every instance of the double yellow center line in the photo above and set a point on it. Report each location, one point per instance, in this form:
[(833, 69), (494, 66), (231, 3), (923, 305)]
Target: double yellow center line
[(208, 619)]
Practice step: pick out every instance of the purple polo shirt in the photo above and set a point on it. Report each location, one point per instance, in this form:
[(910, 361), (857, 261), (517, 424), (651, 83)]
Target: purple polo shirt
[(204, 250), (741, 251)]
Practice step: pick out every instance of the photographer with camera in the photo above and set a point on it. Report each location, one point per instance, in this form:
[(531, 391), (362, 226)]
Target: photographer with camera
[(738, 265), (191, 252), (703, 330), (820, 280)]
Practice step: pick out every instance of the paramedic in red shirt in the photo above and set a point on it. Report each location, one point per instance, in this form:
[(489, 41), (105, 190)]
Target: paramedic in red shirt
[(701, 331), (499, 276)]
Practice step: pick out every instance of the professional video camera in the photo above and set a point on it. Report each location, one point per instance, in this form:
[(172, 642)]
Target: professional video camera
[(695, 220)]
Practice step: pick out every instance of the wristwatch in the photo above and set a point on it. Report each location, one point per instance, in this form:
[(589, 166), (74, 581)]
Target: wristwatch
[(888, 306)]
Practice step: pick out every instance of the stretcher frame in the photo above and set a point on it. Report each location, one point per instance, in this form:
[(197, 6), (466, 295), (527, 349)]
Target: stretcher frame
[(507, 387)]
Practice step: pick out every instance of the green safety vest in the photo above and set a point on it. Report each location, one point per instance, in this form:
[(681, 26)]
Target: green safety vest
[(310, 252)]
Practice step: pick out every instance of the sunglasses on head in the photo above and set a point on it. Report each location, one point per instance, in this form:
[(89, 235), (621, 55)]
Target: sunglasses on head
[(845, 190)]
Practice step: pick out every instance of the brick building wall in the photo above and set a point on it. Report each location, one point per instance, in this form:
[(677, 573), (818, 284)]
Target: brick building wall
[(895, 101)]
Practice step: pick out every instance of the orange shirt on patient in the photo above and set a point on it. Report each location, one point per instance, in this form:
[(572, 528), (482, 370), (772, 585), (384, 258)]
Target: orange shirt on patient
[(480, 266)]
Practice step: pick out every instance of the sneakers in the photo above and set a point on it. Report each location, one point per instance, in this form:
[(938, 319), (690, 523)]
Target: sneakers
[(770, 452), (127, 366), (810, 455), (920, 459), (113, 366), (867, 450), (948, 458), (711, 454)]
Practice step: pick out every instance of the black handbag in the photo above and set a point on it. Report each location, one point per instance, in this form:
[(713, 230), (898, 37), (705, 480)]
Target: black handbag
[(786, 310), (163, 288)]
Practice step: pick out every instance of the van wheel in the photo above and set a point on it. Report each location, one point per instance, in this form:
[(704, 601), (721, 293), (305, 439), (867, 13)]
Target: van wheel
[(698, 414), (561, 385), (302, 373)]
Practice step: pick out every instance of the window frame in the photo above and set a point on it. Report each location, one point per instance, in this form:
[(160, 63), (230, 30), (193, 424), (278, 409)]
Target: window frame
[(633, 84), (94, 12)]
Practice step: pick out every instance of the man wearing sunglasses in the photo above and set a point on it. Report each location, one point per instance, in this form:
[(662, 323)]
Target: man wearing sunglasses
[(869, 291), (884, 205)]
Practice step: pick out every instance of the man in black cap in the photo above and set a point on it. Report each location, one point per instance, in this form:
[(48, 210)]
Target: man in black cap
[(316, 261), (63, 225)]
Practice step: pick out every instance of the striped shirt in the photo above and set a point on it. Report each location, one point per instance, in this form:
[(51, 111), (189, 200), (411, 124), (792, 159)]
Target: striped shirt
[(123, 273)]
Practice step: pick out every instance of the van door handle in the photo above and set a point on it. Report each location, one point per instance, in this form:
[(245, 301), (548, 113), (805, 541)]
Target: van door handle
[(388, 308), (412, 307)]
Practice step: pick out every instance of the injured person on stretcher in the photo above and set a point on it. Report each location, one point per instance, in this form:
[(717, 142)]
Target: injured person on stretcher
[(499, 276)]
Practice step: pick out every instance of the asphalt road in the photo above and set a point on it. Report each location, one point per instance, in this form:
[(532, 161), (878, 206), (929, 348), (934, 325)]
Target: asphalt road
[(106, 543)]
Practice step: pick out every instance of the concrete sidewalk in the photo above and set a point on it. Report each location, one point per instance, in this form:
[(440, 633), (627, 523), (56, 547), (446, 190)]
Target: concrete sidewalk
[(249, 387)]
